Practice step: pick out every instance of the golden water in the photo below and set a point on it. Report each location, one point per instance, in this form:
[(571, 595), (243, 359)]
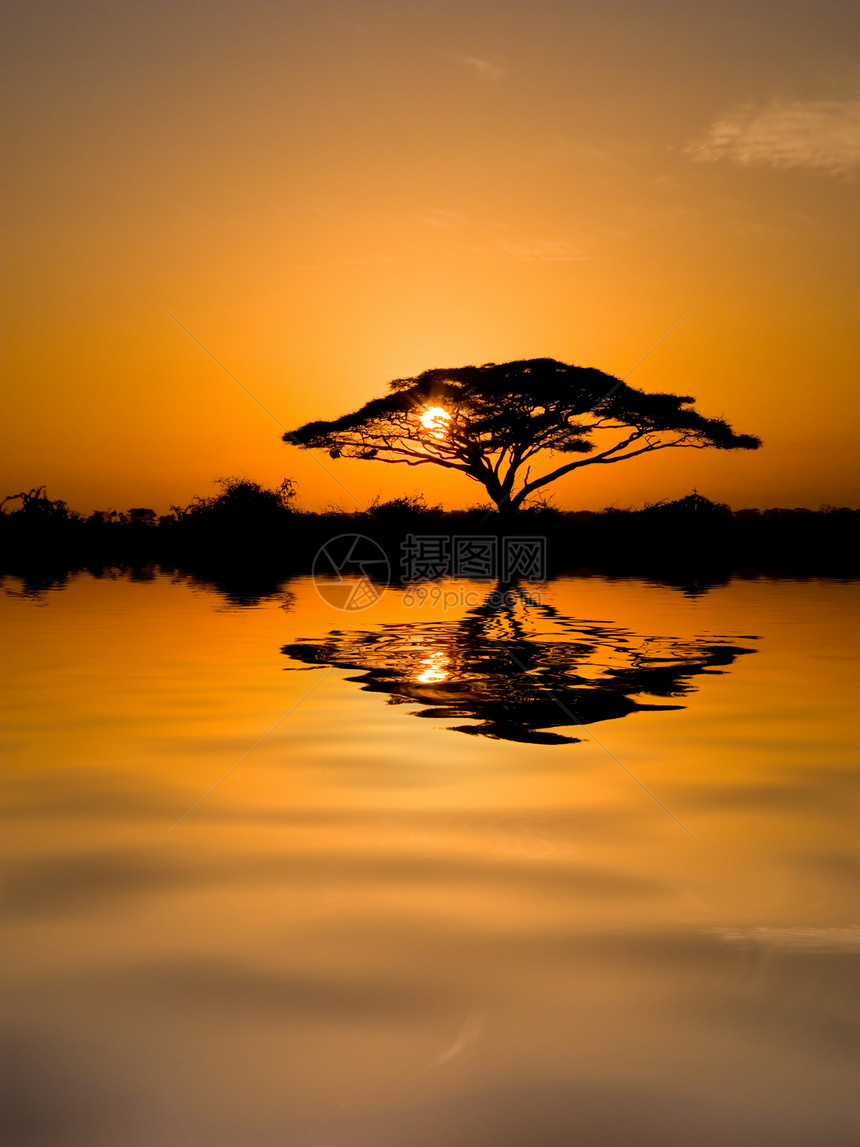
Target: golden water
[(381, 930)]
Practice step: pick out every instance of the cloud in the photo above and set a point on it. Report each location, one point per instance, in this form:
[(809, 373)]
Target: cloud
[(443, 220), (820, 135), (490, 71), (542, 251), (507, 242)]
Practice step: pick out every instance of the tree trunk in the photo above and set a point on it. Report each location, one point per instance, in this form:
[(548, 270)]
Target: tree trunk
[(506, 508)]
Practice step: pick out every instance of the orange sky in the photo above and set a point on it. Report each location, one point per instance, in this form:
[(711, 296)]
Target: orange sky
[(332, 194)]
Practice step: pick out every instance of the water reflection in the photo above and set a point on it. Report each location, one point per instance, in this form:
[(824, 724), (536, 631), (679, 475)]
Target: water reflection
[(516, 668), (336, 950)]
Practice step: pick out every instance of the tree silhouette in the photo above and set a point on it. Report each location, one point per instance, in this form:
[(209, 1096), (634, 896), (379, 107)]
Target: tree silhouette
[(37, 506), (493, 422), (517, 670)]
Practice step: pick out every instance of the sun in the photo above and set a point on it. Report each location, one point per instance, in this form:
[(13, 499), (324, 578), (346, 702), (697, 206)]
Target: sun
[(435, 419)]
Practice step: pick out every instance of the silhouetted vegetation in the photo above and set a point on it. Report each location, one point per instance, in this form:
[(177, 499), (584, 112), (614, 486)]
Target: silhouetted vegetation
[(500, 424), (252, 537)]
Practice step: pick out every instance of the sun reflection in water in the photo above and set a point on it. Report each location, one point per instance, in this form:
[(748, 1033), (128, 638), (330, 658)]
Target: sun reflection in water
[(436, 670)]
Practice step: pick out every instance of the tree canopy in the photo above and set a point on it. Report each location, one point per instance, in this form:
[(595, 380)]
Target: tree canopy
[(495, 423)]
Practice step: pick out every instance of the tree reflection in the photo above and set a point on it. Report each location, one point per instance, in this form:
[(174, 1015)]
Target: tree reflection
[(516, 669)]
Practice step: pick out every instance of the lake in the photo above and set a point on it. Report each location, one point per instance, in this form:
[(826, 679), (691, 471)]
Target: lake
[(576, 866)]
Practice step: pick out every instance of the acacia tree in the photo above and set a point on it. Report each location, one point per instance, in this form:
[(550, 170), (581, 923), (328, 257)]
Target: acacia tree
[(499, 423)]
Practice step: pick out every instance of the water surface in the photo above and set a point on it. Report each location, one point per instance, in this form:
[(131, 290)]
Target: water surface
[(578, 869)]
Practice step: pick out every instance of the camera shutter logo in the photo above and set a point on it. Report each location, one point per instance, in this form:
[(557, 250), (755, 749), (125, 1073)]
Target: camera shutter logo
[(351, 572)]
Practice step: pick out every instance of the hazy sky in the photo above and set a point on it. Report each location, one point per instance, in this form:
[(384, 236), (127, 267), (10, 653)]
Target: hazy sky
[(333, 194)]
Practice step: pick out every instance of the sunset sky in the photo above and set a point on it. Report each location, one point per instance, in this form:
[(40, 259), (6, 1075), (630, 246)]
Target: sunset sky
[(333, 193)]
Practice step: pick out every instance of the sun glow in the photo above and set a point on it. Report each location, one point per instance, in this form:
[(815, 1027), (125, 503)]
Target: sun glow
[(436, 670), (436, 419)]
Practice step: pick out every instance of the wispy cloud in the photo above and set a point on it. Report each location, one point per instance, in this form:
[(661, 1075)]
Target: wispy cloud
[(490, 71), (505, 241), (542, 251), (820, 135), (443, 220), (366, 261)]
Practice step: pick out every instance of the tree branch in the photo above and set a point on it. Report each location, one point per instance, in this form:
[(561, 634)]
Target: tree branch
[(602, 459)]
